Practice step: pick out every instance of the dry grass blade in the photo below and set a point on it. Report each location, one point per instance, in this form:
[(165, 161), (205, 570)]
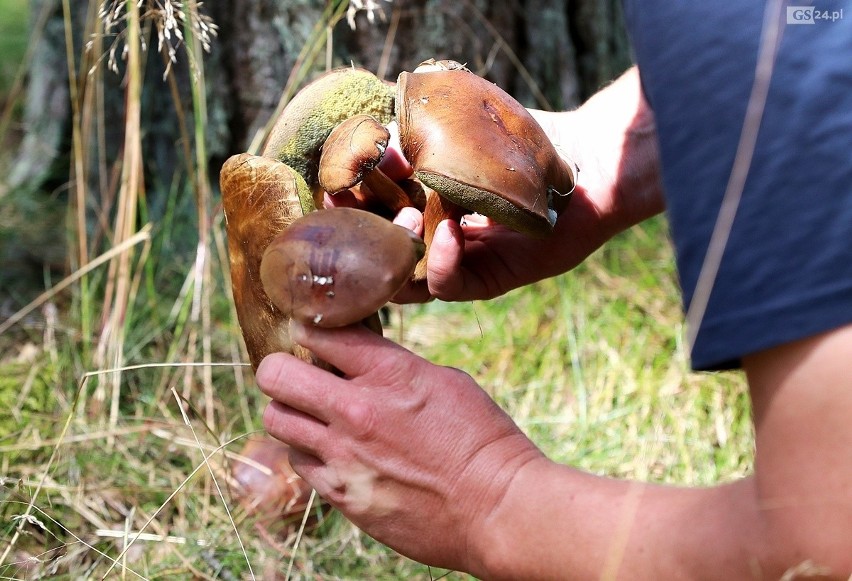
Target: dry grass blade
[(770, 40), (203, 195), (300, 533), (215, 481), (144, 235), (42, 514), (78, 172), (168, 499), (117, 302)]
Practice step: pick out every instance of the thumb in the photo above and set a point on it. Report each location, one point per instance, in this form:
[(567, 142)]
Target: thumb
[(354, 350), (444, 274)]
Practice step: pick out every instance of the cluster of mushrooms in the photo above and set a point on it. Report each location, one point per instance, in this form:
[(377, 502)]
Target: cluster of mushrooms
[(473, 147)]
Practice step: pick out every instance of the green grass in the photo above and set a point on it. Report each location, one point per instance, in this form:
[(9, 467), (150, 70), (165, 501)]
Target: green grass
[(13, 39), (589, 364)]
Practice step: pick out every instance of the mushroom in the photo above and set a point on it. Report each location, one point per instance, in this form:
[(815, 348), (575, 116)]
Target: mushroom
[(261, 199), (338, 266), (480, 150), (351, 156), (263, 194), (473, 147), (297, 136), (266, 484)]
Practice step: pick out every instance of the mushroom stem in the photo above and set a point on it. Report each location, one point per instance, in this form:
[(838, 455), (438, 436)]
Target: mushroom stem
[(386, 191), (438, 209)]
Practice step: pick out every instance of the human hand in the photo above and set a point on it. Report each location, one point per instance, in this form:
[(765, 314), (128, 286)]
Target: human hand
[(612, 139), (480, 259), (416, 455)]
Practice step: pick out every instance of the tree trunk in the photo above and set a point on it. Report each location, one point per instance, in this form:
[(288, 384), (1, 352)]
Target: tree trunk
[(547, 53)]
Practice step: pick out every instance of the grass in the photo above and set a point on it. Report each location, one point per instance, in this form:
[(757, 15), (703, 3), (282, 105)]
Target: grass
[(124, 474), (13, 39), (592, 366), (589, 364)]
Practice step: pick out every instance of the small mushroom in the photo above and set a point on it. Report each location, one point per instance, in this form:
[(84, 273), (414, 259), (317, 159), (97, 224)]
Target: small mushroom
[(335, 267), (479, 149), (297, 136), (266, 484), (351, 156)]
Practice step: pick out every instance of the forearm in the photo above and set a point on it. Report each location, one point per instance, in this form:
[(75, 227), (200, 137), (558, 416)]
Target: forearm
[(612, 138), (559, 523)]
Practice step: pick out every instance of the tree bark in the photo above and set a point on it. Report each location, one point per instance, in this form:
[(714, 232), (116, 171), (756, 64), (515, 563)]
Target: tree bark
[(547, 53)]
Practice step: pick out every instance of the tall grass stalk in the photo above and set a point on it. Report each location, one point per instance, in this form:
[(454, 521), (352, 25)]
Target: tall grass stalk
[(118, 298), (143, 236), (78, 180), (203, 272), (317, 40)]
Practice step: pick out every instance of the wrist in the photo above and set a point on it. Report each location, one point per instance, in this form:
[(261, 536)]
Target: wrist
[(500, 548), (612, 139)]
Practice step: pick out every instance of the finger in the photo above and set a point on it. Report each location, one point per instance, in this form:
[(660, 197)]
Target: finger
[(444, 274), (354, 350), (295, 428), (476, 220), (314, 471), (413, 292), (393, 163), (410, 218), (344, 199), (297, 384)]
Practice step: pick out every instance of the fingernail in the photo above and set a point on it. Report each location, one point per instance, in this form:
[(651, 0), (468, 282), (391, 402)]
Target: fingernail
[(407, 219), (267, 370)]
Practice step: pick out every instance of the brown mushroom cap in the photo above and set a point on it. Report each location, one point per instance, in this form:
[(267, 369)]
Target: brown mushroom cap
[(335, 267), (476, 145), (351, 155), (260, 197), (353, 149)]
